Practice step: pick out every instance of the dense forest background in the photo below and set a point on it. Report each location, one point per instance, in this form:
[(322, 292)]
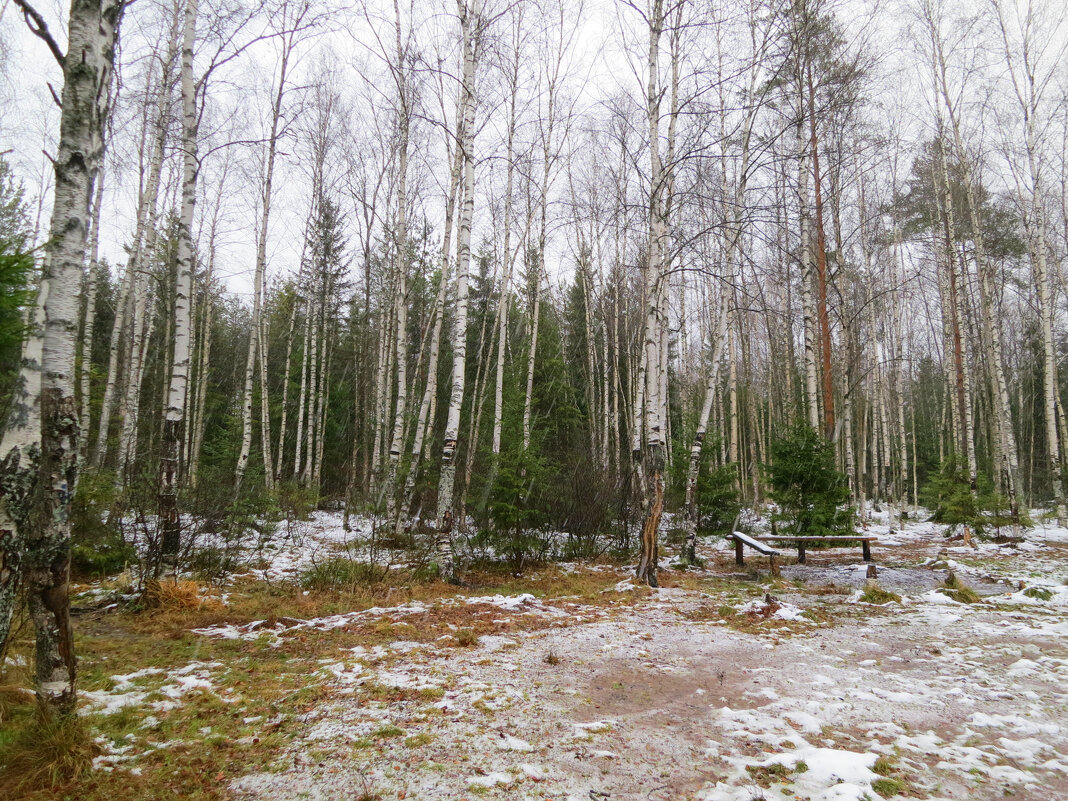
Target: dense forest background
[(538, 267)]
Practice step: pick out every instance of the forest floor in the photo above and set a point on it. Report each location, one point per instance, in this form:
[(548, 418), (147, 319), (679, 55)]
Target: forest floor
[(571, 683)]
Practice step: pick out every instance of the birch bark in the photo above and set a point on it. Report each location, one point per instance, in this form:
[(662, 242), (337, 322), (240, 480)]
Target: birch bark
[(92, 36), (259, 281), (400, 270), (470, 27), (89, 319), (174, 417)]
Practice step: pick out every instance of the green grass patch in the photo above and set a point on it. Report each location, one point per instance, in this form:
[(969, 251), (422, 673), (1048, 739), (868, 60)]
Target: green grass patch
[(1039, 593), (888, 787), (340, 573), (874, 594), (958, 590)]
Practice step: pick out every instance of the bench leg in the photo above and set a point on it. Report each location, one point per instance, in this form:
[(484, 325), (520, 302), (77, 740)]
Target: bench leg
[(867, 550), (774, 566), (738, 560), (801, 553)]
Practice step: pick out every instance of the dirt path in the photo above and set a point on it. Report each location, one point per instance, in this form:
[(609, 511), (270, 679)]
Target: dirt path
[(707, 694)]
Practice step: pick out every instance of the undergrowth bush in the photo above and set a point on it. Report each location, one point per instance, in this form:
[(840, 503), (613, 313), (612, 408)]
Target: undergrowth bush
[(812, 495), (341, 573), (97, 546), (957, 505)]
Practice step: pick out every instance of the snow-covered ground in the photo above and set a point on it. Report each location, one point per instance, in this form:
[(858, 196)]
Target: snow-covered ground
[(727, 689)]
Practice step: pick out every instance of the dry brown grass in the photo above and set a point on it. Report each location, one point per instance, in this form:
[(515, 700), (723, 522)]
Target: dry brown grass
[(11, 698), (171, 595), (40, 752)]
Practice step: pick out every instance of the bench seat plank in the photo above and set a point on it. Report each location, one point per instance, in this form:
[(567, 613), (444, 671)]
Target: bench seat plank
[(741, 539), (817, 537), (756, 545), (865, 541)]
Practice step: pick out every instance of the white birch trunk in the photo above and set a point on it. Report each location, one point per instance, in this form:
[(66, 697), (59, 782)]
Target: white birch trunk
[(400, 270), (470, 26), (1029, 88), (92, 37), (90, 319), (425, 422), (265, 404), (100, 447), (298, 448), (282, 426), (20, 461), (260, 283), (174, 419)]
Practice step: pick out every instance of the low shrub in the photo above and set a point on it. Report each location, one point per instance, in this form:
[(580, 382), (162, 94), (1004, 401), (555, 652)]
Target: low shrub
[(340, 573)]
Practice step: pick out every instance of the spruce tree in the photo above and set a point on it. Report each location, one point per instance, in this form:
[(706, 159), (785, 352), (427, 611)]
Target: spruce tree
[(809, 490)]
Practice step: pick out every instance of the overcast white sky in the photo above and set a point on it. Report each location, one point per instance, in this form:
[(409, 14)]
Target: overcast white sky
[(599, 69)]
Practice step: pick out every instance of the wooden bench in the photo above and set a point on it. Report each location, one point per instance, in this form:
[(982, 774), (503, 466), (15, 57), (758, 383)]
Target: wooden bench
[(865, 542), (741, 539)]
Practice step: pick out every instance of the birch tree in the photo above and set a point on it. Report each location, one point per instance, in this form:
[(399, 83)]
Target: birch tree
[(174, 421), (291, 21), (471, 26), (92, 34)]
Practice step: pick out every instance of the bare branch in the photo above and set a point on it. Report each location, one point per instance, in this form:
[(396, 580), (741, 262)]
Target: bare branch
[(39, 28)]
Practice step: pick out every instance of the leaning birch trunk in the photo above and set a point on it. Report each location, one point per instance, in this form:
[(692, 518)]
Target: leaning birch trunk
[(469, 25), (995, 360), (506, 285), (202, 373), (539, 268), (690, 512), (250, 368), (92, 37), (174, 420), (129, 409), (478, 404), (89, 319), (260, 282), (690, 507), (145, 214)]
